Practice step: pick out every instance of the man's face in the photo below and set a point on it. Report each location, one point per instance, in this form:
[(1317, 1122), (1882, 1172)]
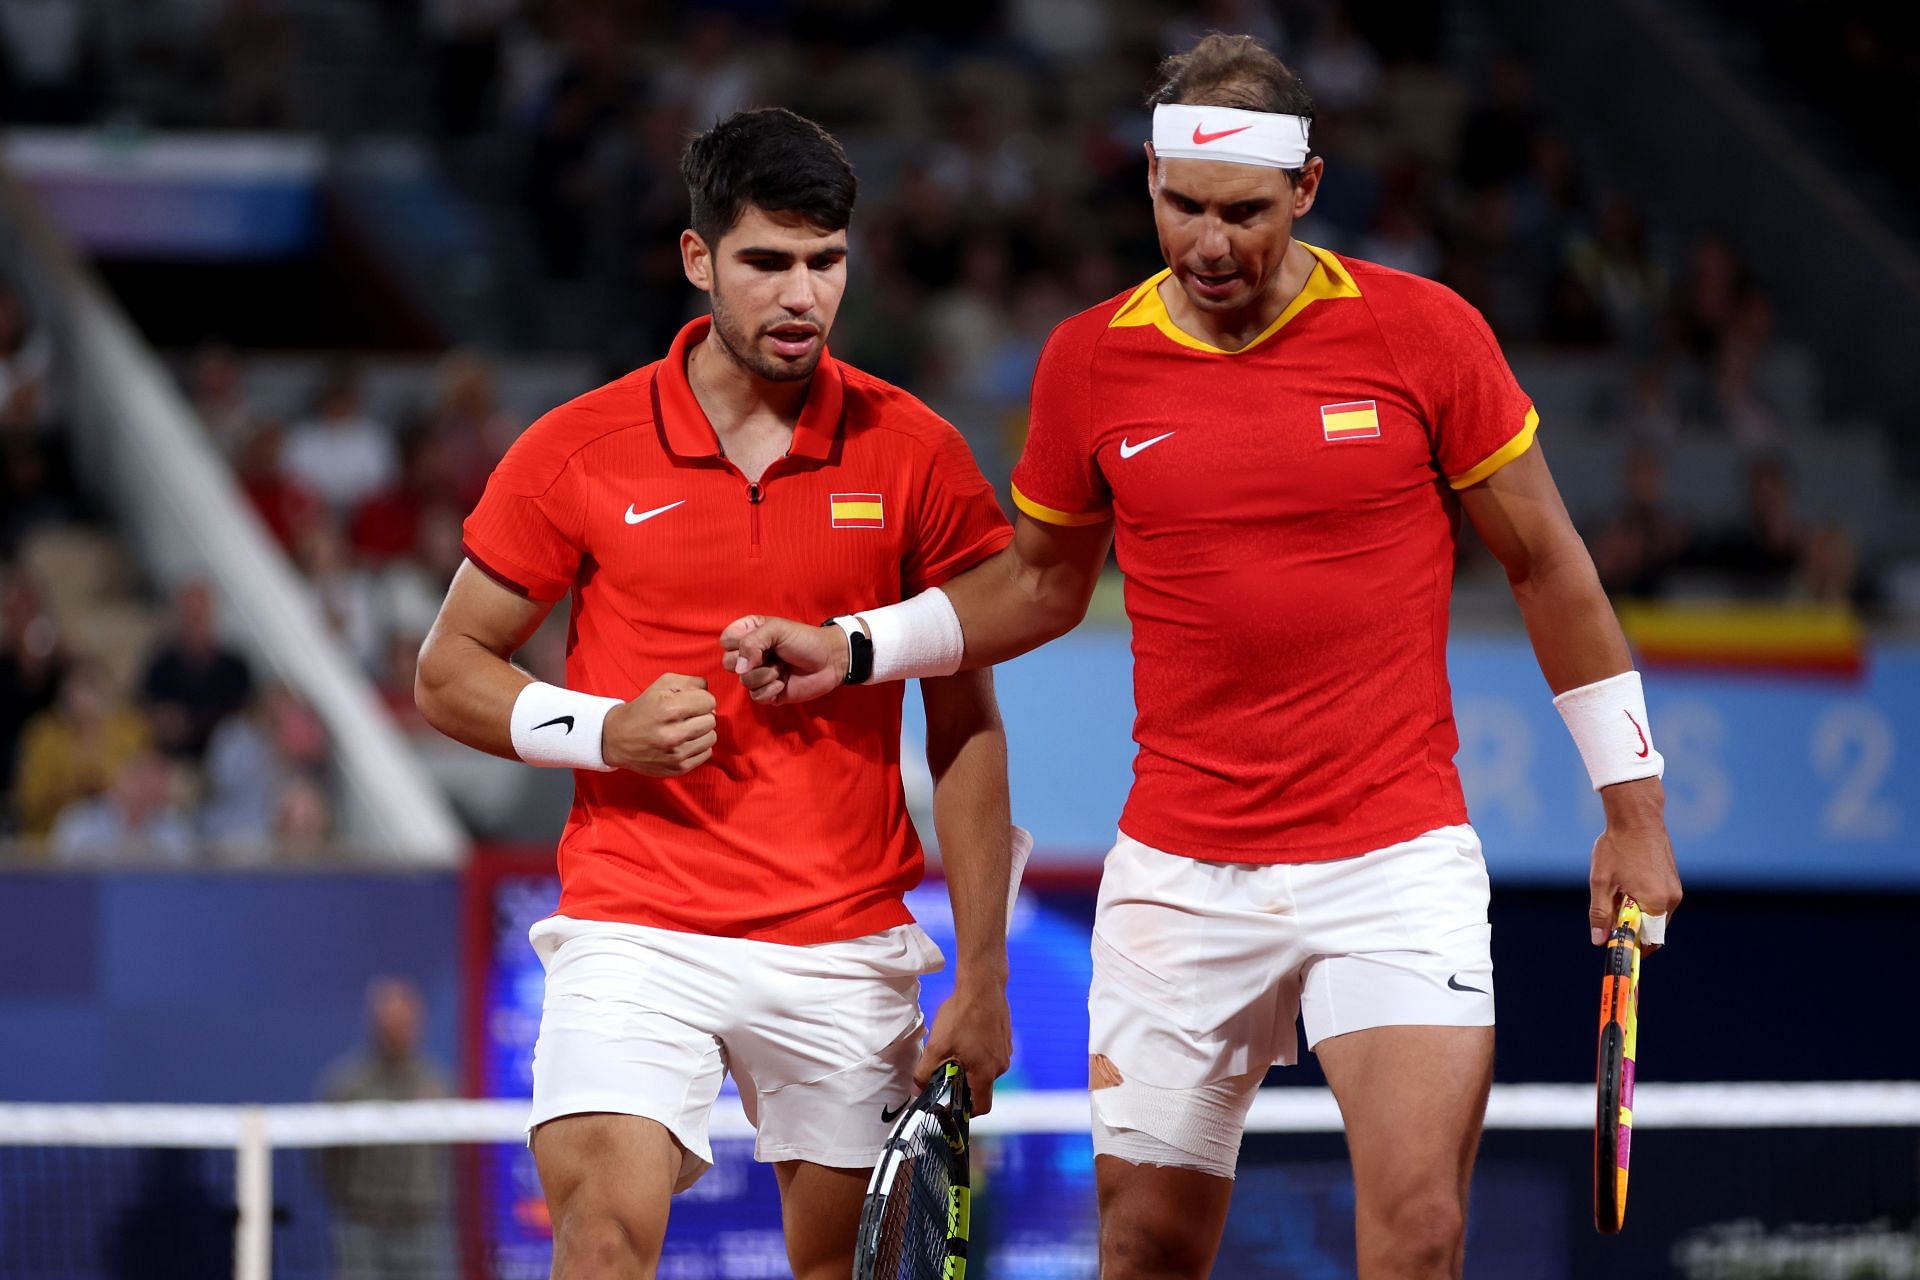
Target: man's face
[(1224, 227), (775, 280)]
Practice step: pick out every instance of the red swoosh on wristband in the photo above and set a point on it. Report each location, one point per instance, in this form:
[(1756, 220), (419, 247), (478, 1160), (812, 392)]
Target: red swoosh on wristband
[(1644, 748)]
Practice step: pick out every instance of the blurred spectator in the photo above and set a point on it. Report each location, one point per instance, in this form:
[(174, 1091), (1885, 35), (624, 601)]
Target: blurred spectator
[(408, 592), (285, 506), (192, 681), (1741, 406), (135, 823), (302, 821), (470, 427), (1708, 296), (74, 748), (387, 525), (1763, 552), (26, 361), (31, 667), (341, 590), (216, 384), (396, 682), (1617, 268), (1339, 68), (255, 758), (390, 1203), (254, 42), (589, 92), (466, 38), (1496, 145), (1642, 543), (50, 63), (341, 454)]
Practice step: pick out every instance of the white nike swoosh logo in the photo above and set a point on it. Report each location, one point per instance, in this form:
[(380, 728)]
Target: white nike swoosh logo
[(635, 517), (1128, 450)]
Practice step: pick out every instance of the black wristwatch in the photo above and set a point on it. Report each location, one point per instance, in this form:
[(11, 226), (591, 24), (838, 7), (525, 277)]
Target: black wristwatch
[(859, 652)]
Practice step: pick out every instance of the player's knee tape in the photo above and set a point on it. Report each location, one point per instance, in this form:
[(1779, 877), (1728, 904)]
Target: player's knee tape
[(1192, 1128)]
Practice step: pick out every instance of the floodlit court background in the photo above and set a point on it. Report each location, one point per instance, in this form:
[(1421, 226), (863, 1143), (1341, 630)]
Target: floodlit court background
[(1692, 225)]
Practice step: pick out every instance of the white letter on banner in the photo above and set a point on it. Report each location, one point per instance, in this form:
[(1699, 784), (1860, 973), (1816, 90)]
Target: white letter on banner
[(1859, 735), (1699, 788)]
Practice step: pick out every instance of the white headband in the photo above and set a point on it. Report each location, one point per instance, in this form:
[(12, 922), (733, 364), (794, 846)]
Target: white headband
[(1184, 132)]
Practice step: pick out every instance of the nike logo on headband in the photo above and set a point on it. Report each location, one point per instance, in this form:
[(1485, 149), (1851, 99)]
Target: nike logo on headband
[(1202, 139)]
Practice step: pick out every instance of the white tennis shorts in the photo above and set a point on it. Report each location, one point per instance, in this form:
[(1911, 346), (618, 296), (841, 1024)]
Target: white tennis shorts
[(1200, 968), (820, 1039)]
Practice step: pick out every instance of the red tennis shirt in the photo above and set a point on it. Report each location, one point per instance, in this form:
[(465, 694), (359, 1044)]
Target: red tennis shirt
[(1285, 519), (796, 830)]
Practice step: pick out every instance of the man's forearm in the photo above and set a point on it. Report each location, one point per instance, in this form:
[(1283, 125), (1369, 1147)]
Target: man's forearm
[(1576, 637), (467, 693), (970, 813), (1009, 605), (1577, 641)]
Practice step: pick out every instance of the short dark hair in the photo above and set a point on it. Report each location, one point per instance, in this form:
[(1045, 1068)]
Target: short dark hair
[(774, 160), (1232, 71)]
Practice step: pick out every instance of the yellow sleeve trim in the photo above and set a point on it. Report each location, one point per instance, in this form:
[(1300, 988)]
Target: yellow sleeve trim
[(1500, 457), (1048, 515)]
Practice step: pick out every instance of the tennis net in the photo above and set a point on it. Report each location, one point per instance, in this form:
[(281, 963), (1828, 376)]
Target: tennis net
[(1743, 1181)]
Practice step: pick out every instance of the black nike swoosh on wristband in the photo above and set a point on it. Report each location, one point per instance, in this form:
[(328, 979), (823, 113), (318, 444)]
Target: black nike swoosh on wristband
[(1458, 985), (560, 720)]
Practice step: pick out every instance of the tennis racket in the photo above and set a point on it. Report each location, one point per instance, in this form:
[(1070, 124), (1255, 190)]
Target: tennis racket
[(1619, 1035), (913, 1225)]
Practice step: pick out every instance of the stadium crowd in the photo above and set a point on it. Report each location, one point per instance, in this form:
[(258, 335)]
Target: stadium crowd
[(998, 147)]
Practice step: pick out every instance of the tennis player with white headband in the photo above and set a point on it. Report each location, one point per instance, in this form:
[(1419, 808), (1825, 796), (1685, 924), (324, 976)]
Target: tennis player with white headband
[(1282, 440)]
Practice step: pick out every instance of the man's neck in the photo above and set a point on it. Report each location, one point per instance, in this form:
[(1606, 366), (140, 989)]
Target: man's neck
[(1230, 331), (732, 396)]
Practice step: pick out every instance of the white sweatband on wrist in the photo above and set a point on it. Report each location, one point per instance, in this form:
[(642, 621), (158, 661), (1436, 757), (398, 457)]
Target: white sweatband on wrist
[(1182, 131), (917, 637), (559, 728), (1608, 721)]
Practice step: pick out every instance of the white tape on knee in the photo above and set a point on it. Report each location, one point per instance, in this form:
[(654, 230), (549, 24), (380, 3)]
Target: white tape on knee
[(1194, 1128)]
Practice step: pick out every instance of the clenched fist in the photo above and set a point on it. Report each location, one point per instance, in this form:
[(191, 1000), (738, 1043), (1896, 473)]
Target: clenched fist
[(665, 732)]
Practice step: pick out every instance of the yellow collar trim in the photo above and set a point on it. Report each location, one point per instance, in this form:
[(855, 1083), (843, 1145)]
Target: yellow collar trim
[(1328, 279)]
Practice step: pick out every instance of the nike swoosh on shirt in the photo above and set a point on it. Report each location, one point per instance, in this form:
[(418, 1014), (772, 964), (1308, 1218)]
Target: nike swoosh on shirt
[(635, 517), (565, 722), (1202, 139), (1458, 985), (1128, 450)]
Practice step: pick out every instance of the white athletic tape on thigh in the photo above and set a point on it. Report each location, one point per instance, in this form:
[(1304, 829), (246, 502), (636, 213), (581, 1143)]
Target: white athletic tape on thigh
[(560, 728), (1192, 1128), (1608, 721), (917, 637)]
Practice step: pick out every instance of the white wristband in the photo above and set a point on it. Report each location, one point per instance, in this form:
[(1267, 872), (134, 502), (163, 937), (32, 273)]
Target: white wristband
[(1608, 721), (917, 637), (559, 728)]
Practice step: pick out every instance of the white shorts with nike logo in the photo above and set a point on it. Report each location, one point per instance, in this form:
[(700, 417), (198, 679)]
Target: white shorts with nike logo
[(1200, 968), (821, 1040)]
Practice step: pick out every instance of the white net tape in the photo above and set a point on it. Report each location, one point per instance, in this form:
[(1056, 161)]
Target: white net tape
[(1515, 1106)]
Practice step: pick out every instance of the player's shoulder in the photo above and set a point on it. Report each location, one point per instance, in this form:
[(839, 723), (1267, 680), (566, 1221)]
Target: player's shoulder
[(1077, 337), (557, 436), (1402, 301), (872, 404)]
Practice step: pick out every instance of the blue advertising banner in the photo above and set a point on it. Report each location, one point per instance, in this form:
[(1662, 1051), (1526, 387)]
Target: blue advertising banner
[(1771, 781)]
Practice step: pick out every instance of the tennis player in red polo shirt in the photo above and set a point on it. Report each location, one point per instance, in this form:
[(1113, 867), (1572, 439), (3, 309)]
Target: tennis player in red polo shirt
[(732, 874), (1282, 440)]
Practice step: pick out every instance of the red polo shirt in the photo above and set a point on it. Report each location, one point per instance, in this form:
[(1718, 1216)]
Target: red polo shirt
[(796, 830), (1285, 518)]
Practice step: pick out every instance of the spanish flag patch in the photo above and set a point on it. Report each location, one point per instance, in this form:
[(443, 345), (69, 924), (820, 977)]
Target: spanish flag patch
[(1354, 420), (858, 511)]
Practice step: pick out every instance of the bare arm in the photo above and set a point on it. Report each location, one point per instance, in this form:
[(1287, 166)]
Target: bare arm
[(1518, 513), (1033, 591), (466, 681), (466, 685), (967, 754)]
